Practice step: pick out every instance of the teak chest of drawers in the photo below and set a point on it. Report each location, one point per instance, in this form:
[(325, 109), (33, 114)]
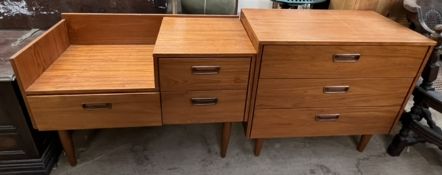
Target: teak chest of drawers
[(330, 73), (323, 73)]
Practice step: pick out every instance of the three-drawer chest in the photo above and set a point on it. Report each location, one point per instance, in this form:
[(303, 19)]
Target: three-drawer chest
[(329, 73), (281, 73)]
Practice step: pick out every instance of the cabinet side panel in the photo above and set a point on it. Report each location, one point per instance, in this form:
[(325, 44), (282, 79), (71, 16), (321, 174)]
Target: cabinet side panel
[(413, 85), (30, 62)]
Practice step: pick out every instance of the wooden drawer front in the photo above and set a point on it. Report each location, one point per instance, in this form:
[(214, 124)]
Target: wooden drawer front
[(318, 61), (294, 93), (322, 121), (203, 106), (9, 141), (62, 112), (204, 73)]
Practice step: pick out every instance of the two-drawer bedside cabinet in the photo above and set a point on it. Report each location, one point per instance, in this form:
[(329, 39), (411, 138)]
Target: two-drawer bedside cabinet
[(204, 68), (329, 73)]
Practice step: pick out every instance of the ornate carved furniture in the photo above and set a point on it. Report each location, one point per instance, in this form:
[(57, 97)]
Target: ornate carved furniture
[(418, 126), (23, 150), (281, 79)]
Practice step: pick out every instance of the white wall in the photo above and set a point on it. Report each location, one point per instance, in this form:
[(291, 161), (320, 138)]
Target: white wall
[(254, 4)]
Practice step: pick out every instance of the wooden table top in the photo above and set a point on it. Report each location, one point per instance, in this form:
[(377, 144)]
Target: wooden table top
[(202, 36), (98, 69), (327, 27)]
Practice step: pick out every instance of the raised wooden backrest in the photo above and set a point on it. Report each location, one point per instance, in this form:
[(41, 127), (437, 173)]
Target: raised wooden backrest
[(30, 62), (118, 28), (111, 28)]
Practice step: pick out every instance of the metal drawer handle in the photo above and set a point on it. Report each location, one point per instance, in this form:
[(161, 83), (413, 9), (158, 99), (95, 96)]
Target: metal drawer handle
[(346, 58), (204, 101), (95, 106), (327, 117), (205, 70), (336, 89)]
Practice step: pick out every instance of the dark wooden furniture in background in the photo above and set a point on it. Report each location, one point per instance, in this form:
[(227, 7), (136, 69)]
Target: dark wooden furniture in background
[(325, 74), (426, 17), (23, 150)]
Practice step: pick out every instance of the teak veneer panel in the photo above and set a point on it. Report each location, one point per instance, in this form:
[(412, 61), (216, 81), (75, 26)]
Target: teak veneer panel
[(327, 27), (30, 62), (98, 69), (271, 123), (112, 28), (295, 93), (176, 74), (317, 61), (202, 36), (65, 112), (178, 108)]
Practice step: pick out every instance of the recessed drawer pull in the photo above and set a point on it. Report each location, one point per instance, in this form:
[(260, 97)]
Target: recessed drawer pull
[(204, 101), (327, 117), (346, 58), (336, 89), (95, 106), (205, 70)]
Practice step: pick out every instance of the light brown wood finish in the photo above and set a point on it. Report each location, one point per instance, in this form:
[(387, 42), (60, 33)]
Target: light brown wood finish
[(250, 94), (315, 34), (176, 74), (363, 142), (318, 62), (328, 27), (68, 146), (412, 86), (31, 61), (202, 36), (178, 108), (67, 112), (258, 146), (225, 138), (113, 28), (272, 123), (295, 93), (98, 69)]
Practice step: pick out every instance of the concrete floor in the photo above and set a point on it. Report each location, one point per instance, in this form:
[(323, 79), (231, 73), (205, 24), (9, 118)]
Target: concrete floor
[(193, 149)]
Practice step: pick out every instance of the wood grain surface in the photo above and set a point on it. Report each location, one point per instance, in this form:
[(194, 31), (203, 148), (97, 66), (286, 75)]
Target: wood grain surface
[(294, 93), (31, 61), (178, 108), (176, 74), (273, 123), (271, 26), (202, 36), (317, 61), (112, 28), (98, 69), (66, 112)]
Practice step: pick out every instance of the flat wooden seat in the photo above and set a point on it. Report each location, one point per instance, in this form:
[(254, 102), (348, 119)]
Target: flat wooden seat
[(98, 69)]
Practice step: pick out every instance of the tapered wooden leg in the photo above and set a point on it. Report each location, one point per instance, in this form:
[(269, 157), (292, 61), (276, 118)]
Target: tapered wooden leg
[(68, 146), (258, 146), (225, 138), (363, 142)]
